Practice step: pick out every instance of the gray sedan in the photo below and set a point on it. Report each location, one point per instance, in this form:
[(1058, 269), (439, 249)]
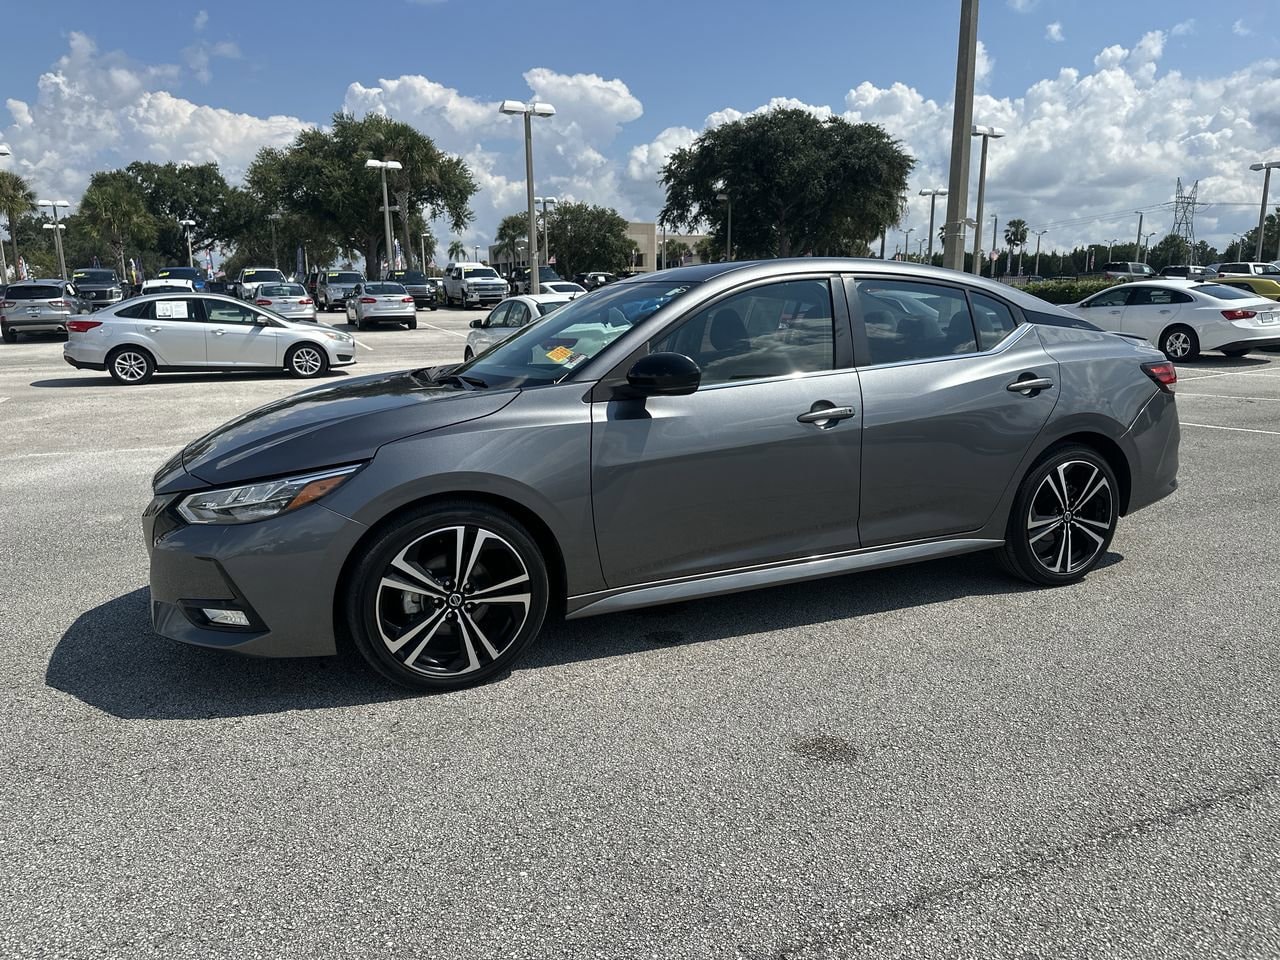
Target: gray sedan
[(372, 303), (288, 300), (699, 431)]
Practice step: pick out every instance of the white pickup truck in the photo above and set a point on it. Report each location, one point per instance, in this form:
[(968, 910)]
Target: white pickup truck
[(246, 285), (470, 284)]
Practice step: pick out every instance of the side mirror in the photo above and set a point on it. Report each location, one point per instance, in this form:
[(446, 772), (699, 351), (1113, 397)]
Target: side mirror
[(476, 324), (664, 375)]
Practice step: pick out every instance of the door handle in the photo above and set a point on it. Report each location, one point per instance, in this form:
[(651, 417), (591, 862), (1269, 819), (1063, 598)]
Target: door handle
[(154, 329), (1166, 311), (1030, 385), (219, 333), (826, 413)]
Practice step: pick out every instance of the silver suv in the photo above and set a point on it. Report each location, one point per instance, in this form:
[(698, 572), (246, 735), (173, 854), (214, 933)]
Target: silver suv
[(1127, 270), (39, 306), (334, 286)]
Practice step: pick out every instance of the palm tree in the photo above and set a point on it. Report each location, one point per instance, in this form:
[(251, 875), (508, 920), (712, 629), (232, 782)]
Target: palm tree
[(457, 250), (113, 208), (1015, 235), (16, 200)]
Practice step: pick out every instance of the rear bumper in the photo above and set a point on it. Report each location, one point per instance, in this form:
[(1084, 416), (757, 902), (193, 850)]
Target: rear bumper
[(1251, 343), (37, 324), (84, 364), (1152, 445)]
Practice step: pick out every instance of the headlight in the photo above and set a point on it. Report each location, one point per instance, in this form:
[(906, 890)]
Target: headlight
[(337, 335), (258, 501)]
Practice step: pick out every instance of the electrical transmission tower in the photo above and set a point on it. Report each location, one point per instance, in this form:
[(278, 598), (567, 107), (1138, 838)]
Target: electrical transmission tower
[(1184, 218)]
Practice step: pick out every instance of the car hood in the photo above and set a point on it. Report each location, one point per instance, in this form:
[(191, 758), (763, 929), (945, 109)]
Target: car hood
[(323, 427)]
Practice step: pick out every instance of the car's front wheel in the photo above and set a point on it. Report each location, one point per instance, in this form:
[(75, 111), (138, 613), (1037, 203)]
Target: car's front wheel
[(1063, 517), (306, 360), (1241, 352), (131, 365), (1179, 344), (447, 596)]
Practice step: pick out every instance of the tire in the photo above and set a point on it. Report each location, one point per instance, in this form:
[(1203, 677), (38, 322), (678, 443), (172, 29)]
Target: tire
[(412, 324), (430, 636), (10, 336), (131, 366), (468, 355), (306, 360), (1180, 344), (1242, 352), (1054, 539)]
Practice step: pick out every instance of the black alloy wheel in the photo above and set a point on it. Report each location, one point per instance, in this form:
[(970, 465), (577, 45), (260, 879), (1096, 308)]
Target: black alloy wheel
[(447, 597), (1063, 517)]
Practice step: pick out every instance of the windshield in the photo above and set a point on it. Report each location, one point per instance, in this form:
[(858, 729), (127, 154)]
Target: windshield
[(548, 350), (409, 276), (263, 276), (95, 276), (339, 277), (383, 288), (1223, 292), (185, 273), (481, 273)]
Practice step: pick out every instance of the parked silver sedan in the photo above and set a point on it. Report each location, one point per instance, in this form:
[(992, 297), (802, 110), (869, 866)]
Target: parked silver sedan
[(193, 331), (385, 302), (289, 300), (508, 317)]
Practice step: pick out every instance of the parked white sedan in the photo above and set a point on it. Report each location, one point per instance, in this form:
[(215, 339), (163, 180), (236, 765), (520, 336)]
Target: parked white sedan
[(381, 302), (200, 331), (1184, 317), (508, 317)]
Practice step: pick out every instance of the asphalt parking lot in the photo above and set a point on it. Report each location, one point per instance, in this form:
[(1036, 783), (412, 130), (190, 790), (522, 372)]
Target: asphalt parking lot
[(918, 762)]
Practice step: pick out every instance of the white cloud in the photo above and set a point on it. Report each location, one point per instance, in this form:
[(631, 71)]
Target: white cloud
[(1184, 28), (1053, 32), (1241, 29), (1022, 6), (983, 65), (202, 18)]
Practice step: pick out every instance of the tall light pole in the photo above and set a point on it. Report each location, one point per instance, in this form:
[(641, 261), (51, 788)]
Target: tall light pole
[(275, 253), (57, 229), (188, 224), (1039, 234), (961, 121), (1137, 249), (4, 267), (383, 166), (995, 224), (1262, 213), (1146, 244), (728, 237), (533, 108), (987, 134), (1111, 243), (546, 240), (933, 196), (57, 234), (423, 238), (906, 242)]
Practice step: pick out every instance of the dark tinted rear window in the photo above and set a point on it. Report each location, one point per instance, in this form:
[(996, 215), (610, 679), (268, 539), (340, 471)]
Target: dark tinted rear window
[(94, 276), (1224, 292), (34, 292)]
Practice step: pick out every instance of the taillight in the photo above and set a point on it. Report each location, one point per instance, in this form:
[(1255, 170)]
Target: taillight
[(1239, 314), (82, 326), (1163, 373), (9, 303), (60, 304), (263, 303), (406, 299), (304, 302), (368, 300)]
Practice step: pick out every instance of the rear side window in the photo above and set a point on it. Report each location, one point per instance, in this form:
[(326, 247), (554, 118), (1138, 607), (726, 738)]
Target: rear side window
[(906, 320), (34, 292), (1224, 292), (136, 311), (1144, 296), (993, 320)]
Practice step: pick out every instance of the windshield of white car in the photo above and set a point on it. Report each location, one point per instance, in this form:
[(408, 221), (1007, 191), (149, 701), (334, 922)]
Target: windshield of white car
[(263, 276), (1221, 291), (344, 277), (481, 273), (550, 348)]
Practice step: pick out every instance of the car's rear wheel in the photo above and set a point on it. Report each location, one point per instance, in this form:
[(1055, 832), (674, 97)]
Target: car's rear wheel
[(306, 360), (412, 324), (1180, 343), (131, 365), (1242, 352), (10, 335), (446, 597), (1063, 517)]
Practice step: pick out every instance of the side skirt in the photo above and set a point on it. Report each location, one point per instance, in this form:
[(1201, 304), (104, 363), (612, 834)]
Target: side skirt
[(749, 578)]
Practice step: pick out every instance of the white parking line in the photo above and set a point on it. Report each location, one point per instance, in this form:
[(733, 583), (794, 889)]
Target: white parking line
[(1183, 395), (1230, 373), (3, 399), (452, 333), (1214, 426)]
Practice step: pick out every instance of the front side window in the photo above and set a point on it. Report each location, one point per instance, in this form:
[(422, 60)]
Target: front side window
[(905, 320), (220, 311), (775, 330), (499, 316), (518, 315)]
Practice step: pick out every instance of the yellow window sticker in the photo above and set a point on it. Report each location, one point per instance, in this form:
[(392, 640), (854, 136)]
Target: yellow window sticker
[(560, 354)]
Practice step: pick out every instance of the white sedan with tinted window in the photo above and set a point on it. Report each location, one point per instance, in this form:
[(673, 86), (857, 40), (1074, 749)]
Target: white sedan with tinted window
[(508, 317), (1184, 317)]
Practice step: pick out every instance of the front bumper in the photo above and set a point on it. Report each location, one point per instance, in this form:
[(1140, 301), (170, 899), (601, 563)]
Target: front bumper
[(282, 573)]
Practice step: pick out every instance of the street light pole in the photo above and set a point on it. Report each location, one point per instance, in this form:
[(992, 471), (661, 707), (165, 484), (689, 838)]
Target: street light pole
[(1146, 244), (188, 224), (728, 237), (1137, 250), (1262, 213), (383, 166), (962, 120), (4, 267), (275, 253), (57, 229), (987, 134), (546, 233), (533, 108), (933, 196), (57, 234), (423, 239), (995, 224), (1110, 244), (1036, 268), (906, 242)]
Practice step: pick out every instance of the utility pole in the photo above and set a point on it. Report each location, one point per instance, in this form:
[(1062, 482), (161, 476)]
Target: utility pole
[(1137, 250), (933, 195), (1036, 268), (1262, 213), (961, 124), (995, 232)]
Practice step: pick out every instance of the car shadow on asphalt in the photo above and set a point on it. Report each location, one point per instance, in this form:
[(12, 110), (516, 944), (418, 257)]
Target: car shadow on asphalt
[(110, 659)]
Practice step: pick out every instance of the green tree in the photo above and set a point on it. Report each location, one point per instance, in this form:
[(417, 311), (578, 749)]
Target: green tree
[(797, 185), (173, 192), (1270, 238), (114, 208), (587, 237), (1015, 235), (674, 252), (457, 250), (511, 231), (16, 200)]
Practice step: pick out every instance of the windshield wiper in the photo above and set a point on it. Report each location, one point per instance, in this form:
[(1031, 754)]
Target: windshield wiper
[(466, 383)]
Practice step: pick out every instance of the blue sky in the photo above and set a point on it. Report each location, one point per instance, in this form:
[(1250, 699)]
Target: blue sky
[(633, 81)]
